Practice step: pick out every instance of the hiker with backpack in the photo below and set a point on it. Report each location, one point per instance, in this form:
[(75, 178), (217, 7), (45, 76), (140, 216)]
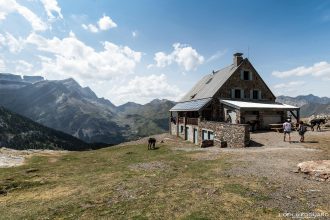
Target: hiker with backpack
[(302, 130)]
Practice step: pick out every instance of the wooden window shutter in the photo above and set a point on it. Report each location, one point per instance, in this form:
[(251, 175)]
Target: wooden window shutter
[(242, 74), (232, 93), (242, 93), (259, 94), (251, 94), (250, 75)]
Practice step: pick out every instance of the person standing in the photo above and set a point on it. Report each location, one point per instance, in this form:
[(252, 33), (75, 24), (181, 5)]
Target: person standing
[(302, 129), (287, 129)]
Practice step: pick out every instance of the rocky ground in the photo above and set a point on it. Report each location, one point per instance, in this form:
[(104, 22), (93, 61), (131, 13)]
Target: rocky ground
[(11, 158), (274, 160)]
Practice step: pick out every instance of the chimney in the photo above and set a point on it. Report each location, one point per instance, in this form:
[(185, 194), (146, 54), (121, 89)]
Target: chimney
[(237, 59)]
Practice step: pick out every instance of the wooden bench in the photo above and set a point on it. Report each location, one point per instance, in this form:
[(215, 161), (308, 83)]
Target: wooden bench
[(276, 127)]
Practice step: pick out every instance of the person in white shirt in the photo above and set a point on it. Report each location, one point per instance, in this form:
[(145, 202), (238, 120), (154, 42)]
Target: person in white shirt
[(287, 129)]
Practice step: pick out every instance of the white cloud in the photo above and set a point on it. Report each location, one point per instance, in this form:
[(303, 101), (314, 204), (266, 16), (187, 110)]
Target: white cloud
[(23, 67), (216, 56), (2, 65), (321, 69), (90, 27), (143, 89), (70, 57), (50, 7), (134, 34), (13, 44), (104, 23), (289, 85), (293, 87), (185, 56), (11, 6)]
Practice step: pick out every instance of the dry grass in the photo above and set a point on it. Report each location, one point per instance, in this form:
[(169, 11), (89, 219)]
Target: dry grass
[(130, 182)]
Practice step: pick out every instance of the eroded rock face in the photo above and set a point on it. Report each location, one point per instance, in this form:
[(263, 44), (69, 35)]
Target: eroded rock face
[(319, 170)]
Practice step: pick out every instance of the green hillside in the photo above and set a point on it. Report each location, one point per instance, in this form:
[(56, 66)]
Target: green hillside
[(19, 132)]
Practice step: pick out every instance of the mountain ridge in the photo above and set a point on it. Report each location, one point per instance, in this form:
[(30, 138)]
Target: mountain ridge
[(65, 105)]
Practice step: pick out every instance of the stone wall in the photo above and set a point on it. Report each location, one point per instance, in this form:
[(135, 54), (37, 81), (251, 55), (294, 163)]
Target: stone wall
[(236, 135), (173, 129)]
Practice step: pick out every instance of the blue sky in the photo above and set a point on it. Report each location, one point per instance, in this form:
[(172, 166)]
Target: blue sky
[(145, 49)]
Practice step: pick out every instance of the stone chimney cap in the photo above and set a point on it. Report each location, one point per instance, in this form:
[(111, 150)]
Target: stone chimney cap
[(238, 54)]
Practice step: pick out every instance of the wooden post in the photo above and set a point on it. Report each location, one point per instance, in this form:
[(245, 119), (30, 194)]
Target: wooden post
[(177, 124), (298, 115), (170, 123)]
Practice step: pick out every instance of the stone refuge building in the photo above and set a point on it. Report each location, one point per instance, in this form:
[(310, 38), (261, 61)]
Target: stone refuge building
[(226, 105)]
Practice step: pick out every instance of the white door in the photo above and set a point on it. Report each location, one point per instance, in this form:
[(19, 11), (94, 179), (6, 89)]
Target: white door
[(233, 117)]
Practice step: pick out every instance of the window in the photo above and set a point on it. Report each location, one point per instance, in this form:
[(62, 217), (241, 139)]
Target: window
[(204, 135), (237, 93), (255, 94), (246, 75), (210, 135)]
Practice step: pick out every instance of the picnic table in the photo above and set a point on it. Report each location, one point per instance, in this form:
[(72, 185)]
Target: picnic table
[(276, 127)]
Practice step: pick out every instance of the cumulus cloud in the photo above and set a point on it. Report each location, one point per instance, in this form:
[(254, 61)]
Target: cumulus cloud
[(52, 8), (103, 24), (184, 55), (70, 57), (14, 45), (11, 6), (90, 27), (143, 89), (321, 69)]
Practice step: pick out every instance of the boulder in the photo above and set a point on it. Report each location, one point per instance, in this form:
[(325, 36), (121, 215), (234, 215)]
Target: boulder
[(319, 170)]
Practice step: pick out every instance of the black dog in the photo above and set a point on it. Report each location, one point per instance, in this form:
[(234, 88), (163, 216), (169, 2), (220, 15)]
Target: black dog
[(317, 122), (151, 143)]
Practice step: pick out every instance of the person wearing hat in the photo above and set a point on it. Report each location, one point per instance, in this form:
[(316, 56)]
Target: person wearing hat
[(287, 129)]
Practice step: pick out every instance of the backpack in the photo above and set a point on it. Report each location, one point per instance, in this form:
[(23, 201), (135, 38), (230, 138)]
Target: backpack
[(302, 129)]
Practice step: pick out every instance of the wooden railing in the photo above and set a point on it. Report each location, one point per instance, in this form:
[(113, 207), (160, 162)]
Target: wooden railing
[(192, 121)]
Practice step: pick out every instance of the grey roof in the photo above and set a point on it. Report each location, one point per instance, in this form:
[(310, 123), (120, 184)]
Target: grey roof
[(209, 84), (194, 105)]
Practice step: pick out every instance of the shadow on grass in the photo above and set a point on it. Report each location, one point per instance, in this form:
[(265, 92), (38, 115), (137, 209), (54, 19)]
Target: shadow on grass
[(255, 144), (155, 148)]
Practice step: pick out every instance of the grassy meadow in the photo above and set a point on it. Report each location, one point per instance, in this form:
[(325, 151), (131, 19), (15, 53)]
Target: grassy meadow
[(130, 182)]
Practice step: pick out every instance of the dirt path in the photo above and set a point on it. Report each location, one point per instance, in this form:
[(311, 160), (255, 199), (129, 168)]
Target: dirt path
[(11, 158)]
